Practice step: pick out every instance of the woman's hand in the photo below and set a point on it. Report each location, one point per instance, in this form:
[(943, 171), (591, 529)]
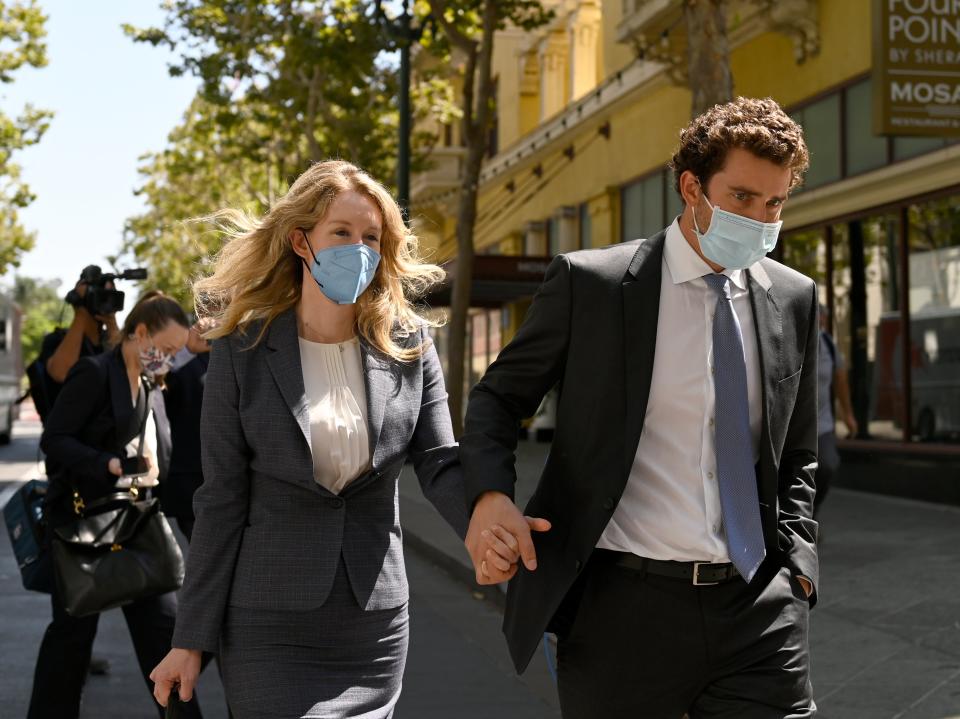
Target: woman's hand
[(114, 466), (180, 666)]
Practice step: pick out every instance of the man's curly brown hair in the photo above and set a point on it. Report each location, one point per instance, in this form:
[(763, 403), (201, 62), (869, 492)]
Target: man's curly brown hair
[(759, 126)]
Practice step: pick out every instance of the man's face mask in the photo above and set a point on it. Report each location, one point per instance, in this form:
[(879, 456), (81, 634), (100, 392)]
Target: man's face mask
[(343, 272), (733, 241)]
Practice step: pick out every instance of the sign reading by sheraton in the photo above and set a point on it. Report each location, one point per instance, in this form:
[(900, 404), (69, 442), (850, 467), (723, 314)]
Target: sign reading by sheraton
[(916, 66)]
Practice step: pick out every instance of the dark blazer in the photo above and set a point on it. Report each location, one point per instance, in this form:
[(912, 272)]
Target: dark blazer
[(593, 328), (267, 536), (90, 423), (183, 399)]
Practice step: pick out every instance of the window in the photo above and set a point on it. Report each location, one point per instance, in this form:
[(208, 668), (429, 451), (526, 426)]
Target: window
[(906, 147), (866, 319), (642, 208), (821, 129), (864, 150), (675, 203), (553, 235), (584, 227), (934, 237)]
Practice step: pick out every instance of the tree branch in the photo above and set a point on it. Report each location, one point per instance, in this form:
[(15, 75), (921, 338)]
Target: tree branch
[(457, 38)]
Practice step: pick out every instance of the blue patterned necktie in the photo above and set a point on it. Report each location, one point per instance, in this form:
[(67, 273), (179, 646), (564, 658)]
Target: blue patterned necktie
[(737, 476)]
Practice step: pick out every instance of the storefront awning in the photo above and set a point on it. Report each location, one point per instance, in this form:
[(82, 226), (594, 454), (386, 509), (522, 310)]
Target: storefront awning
[(497, 280)]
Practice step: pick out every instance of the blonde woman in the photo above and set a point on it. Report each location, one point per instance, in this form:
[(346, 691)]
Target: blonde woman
[(322, 381)]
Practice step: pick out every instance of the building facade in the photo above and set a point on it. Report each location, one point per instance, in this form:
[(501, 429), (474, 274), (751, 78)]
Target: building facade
[(589, 109)]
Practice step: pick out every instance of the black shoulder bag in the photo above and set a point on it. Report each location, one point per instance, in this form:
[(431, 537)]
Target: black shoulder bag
[(116, 550)]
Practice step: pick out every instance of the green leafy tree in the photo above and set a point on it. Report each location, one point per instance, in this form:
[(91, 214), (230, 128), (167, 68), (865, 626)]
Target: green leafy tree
[(464, 34), (200, 171), (308, 73), (43, 311), (22, 34)]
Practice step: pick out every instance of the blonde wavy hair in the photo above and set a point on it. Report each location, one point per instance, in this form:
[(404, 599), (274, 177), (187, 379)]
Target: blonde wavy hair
[(258, 276)]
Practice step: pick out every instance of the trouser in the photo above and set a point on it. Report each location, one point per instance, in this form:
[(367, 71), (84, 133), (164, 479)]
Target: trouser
[(642, 645), (828, 462), (65, 654)]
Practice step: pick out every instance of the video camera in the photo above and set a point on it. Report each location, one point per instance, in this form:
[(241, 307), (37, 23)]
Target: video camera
[(98, 300)]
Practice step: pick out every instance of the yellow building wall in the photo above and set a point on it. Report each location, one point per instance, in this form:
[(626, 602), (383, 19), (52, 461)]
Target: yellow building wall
[(766, 66), (644, 134)]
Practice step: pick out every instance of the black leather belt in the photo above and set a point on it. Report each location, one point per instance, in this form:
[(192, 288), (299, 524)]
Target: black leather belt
[(697, 573)]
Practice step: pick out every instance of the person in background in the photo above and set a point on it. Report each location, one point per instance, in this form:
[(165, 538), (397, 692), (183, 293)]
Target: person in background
[(183, 398), (832, 388), (100, 410)]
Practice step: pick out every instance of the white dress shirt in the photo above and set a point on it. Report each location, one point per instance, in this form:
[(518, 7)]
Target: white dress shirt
[(339, 441), (670, 508)]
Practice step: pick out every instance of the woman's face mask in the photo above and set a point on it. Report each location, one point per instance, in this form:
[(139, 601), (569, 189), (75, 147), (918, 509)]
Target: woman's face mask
[(155, 362), (343, 272)]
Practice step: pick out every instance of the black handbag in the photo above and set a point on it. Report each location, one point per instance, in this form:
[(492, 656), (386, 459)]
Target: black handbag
[(116, 550)]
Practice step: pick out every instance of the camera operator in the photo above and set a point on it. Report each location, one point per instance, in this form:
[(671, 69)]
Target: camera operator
[(95, 302), (87, 335)]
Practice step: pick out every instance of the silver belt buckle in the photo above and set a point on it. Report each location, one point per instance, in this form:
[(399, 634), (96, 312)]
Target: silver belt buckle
[(696, 575)]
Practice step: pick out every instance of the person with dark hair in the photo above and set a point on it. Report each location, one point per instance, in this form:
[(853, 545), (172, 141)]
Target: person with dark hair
[(98, 415), (183, 400), (682, 560)]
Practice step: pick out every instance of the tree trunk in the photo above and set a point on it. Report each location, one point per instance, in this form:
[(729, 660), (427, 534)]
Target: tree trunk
[(708, 54), (476, 120)]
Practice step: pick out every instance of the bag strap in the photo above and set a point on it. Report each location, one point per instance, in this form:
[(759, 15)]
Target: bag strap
[(79, 505)]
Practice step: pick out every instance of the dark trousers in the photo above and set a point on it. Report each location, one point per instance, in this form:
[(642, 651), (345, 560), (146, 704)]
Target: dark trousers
[(648, 647), (65, 654), (828, 462)]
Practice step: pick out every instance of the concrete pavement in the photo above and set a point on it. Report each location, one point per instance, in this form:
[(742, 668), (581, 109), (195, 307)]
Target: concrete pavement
[(885, 636)]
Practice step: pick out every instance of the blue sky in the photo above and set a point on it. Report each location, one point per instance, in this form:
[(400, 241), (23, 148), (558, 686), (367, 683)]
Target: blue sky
[(114, 101)]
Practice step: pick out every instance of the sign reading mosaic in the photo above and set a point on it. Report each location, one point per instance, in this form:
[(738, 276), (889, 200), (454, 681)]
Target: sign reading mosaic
[(916, 65)]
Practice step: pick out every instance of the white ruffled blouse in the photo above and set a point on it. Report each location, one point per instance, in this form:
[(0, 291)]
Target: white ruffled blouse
[(337, 397)]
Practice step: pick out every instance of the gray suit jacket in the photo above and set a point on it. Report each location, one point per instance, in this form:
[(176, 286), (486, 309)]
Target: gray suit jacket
[(593, 329), (267, 536)]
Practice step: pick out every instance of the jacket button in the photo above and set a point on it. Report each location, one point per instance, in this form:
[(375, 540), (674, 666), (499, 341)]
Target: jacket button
[(608, 503), (579, 565), (336, 502)]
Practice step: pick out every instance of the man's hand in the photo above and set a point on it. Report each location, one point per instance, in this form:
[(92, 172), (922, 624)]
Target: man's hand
[(807, 587), (498, 536), (180, 666)]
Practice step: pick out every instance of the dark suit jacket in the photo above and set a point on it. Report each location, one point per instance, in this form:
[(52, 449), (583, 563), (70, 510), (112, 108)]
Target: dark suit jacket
[(593, 328), (267, 536), (90, 423)]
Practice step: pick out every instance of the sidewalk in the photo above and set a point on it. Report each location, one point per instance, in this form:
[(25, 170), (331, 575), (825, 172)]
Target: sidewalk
[(885, 636)]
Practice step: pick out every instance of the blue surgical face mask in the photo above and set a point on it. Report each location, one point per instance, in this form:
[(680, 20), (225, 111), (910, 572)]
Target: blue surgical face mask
[(733, 241), (344, 272)]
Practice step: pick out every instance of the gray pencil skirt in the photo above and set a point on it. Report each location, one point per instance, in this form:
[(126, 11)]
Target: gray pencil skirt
[(334, 662)]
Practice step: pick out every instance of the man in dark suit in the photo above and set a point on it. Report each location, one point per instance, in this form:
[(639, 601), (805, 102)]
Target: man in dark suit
[(680, 560)]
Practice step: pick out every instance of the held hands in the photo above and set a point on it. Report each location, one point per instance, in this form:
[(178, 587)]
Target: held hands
[(180, 666), (499, 536)]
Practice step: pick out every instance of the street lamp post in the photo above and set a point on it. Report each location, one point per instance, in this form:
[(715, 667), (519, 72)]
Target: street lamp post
[(403, 35)]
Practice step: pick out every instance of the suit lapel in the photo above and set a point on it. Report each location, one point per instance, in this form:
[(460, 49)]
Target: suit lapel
[(768, 324), (641, 309), (379, 383), (283, 359)]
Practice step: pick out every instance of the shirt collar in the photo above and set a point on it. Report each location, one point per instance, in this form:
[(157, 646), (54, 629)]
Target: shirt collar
[(684, 264)]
